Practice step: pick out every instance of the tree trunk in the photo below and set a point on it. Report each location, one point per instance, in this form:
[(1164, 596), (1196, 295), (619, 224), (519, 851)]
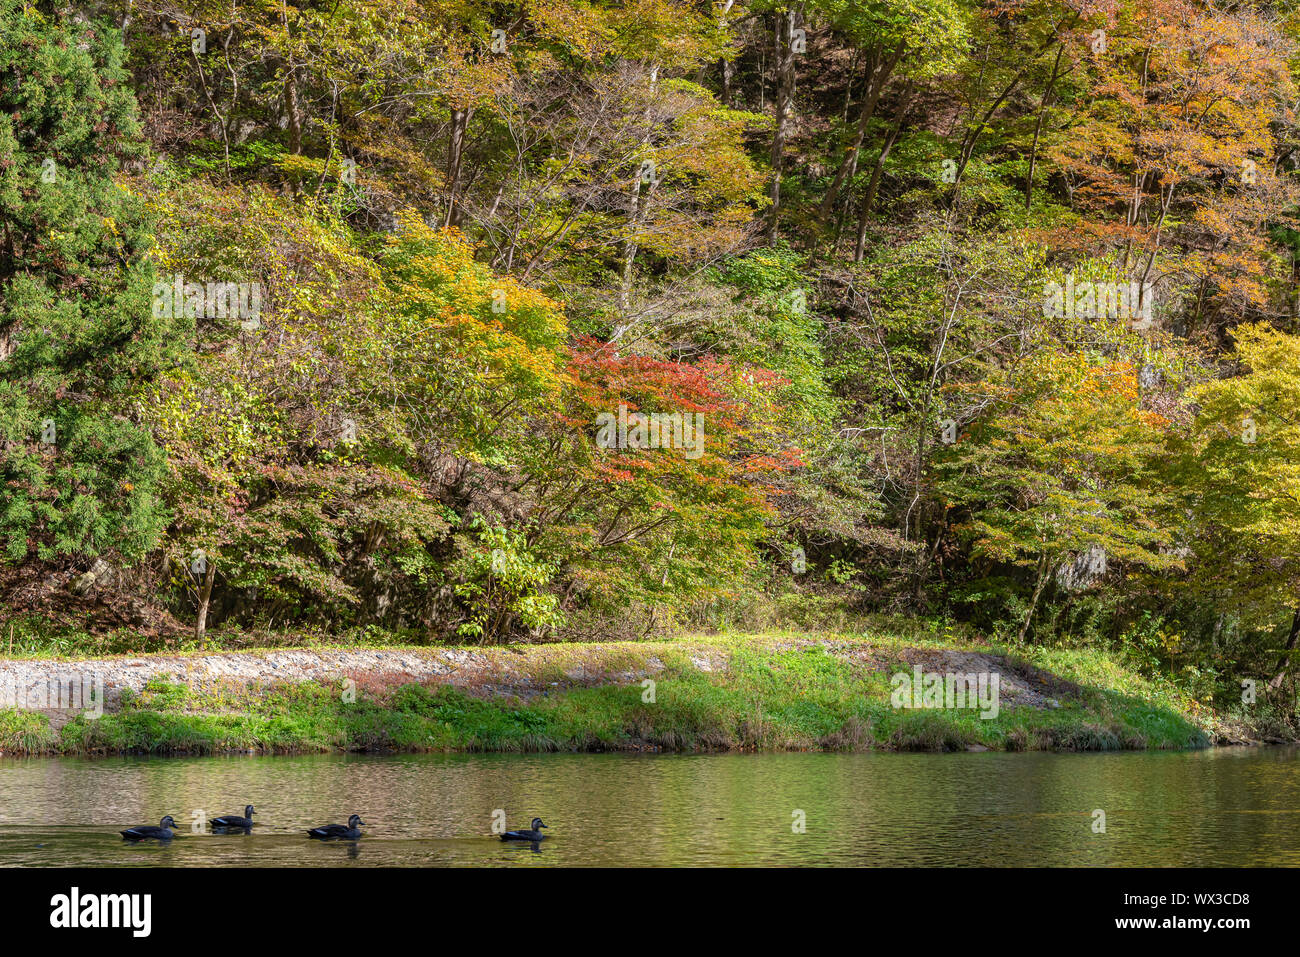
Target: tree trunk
[(205, 598), (882, 65), (638, 203), (1038, 128), (877, 173), (1139, 177), (1038, 591), (635, 214), (725, 67), (291, 108), (976, 130), (455, 153), (784, 98), (1284, 663), (921, 573)]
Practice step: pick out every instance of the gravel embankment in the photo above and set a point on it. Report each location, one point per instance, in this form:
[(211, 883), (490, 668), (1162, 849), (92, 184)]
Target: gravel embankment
[(33, 683)]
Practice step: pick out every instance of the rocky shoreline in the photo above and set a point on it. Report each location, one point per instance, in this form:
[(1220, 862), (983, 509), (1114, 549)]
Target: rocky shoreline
[(1040, 709)]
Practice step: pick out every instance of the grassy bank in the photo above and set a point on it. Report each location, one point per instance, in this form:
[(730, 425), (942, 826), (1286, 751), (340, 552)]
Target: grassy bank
[(771, 692)]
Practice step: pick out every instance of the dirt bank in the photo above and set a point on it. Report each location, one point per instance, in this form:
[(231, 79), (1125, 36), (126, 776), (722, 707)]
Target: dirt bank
[(762, 692), (515, 672)]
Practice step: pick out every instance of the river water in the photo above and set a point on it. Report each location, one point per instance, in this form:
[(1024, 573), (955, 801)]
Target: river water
[(1231, 806)]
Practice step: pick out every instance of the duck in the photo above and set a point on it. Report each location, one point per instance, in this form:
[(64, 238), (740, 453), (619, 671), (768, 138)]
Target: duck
[(534, 832), (234, 820), (162, 832), (351, 832)]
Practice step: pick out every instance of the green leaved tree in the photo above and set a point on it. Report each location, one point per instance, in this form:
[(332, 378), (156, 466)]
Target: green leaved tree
[(1063, 463), (77, 334), (1243, 484)]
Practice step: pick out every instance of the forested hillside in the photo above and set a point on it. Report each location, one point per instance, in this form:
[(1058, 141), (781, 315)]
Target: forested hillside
[(470, 321)]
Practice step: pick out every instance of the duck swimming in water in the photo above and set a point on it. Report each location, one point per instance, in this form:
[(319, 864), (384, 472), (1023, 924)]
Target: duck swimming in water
[(162, 832), (234, 820), (350, 833), (534, 832)]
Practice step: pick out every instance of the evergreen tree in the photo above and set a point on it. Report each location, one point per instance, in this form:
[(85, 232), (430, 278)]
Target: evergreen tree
[(77, 335)]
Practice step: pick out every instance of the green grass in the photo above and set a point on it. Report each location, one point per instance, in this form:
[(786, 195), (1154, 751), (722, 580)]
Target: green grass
[(25, 732), (771, 696)]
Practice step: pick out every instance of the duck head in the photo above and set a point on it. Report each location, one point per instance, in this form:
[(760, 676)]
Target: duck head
[(537, 824), (167, 822), (248, 812), (355, 821)]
